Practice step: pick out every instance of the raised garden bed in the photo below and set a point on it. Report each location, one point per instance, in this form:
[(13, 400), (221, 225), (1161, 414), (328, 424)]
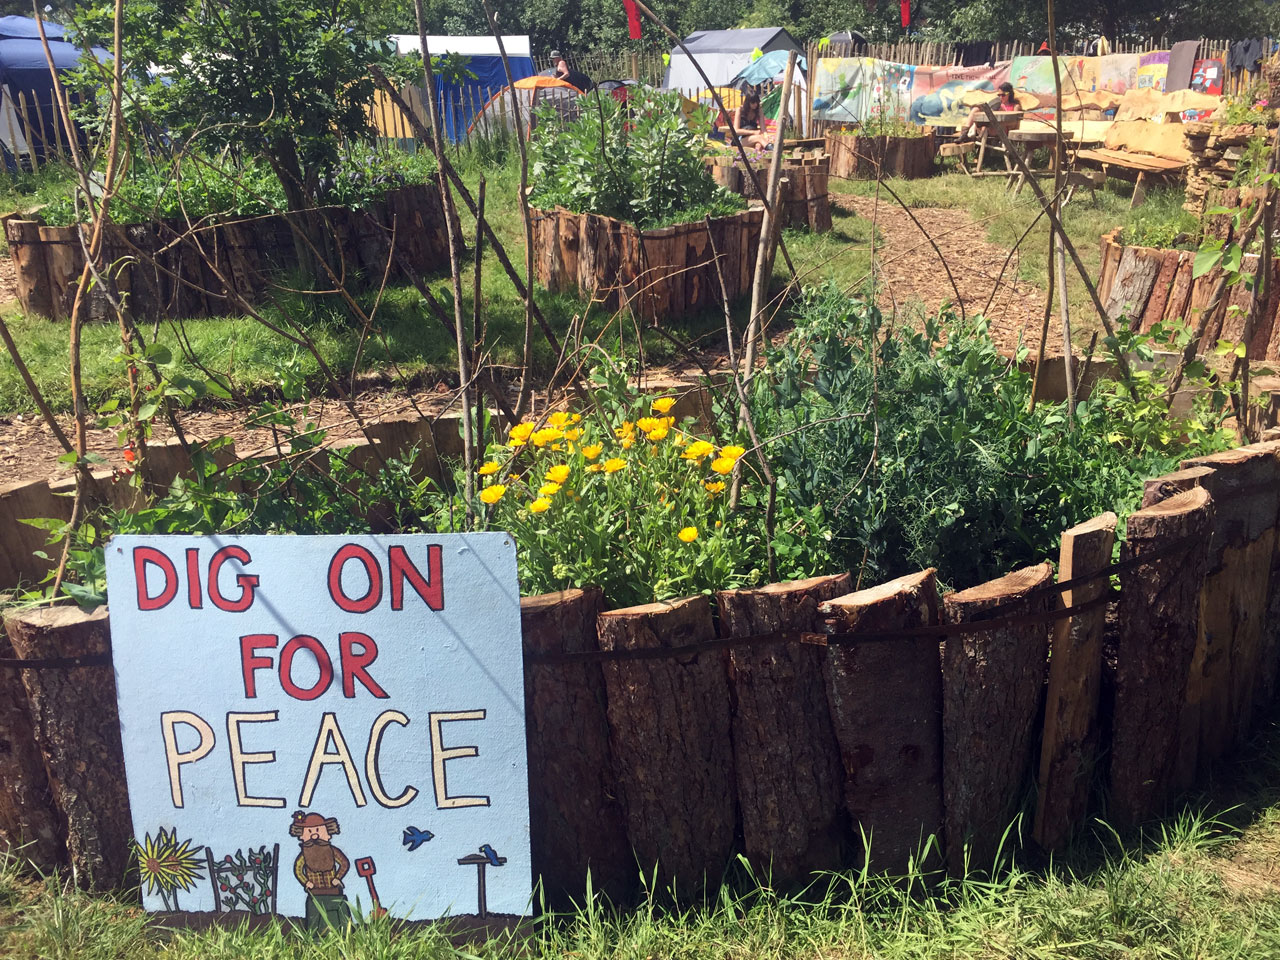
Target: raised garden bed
[(802, 192), (859, 157), (1149, 285), (663, 272), (247, 256)]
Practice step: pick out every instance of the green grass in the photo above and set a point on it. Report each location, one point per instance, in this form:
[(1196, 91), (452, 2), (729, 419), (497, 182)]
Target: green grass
[(418, 348), (1193, 886)]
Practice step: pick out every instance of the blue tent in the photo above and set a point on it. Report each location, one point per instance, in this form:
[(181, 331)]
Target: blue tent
[(24, 74), (459, 102)]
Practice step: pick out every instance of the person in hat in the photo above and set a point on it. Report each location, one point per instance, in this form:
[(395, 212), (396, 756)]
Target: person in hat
[(568, 74), (320, 867)]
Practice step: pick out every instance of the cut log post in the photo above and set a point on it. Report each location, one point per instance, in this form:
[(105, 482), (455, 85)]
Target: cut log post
[(1245, 486), (993, 684), (32, 273), (30, 827), (886, 704), (790, 778), (1131, 287), (669, 731), (77, 728), (575, 821), (1157, 614), (1069, 747)]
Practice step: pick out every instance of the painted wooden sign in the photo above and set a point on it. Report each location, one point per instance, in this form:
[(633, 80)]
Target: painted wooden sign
[(323, 726)]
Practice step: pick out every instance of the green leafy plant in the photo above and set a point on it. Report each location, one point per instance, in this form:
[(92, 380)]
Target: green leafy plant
[(922, 450), (641, 161)]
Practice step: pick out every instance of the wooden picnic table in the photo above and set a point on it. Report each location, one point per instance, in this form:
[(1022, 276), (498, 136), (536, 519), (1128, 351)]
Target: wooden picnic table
[(1026, 142)]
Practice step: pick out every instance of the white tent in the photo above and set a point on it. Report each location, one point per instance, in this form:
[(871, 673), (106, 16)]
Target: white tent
[(721, 54), (484, 46)]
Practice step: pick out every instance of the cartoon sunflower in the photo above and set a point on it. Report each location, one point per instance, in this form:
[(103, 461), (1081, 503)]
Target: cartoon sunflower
[(168, 866)]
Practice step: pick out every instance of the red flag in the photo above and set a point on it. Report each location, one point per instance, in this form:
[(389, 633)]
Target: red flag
[(906, 14), (633, 18)]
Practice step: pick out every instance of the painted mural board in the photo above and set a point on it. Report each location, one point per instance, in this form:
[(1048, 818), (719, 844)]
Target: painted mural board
[(857, 89), (324, 727)]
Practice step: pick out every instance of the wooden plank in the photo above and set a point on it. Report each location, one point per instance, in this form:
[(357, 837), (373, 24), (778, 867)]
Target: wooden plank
[(571, 783), (699, 282), (1266, 324), (1158, 614), (1069, 747), (886, 706), (1112, 250), (992, 683), (787, 758), (669, 728), (1201, 296)]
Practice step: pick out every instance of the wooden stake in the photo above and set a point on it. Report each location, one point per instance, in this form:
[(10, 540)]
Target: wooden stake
[(1069, 747)]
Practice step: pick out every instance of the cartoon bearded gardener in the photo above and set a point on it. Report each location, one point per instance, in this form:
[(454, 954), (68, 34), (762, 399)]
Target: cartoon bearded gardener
[(320, 868)]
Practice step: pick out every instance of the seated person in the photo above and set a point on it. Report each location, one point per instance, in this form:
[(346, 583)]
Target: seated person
[(748, 121), (1005, 102), (568, 74)]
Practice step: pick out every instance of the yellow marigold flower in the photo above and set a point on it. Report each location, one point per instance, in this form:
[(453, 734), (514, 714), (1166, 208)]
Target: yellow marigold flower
[(614, 464), (592, 450), (668, 421), (626, 443), (698, 450), (624, 431), (658, 434), (664, 404), (714, 486), (688, 534), (492, 493), (521, 431), (488, 469), (572, 435), (648, 424), (732, 452), (594, 467), (560, 419), (546, 435), (548, 489), (722, 465), (541, 505), (559, 473), (680, 439)]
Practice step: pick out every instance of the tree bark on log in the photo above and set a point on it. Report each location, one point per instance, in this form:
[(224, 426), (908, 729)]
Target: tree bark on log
[(1158, 614), (790, 778), (993, 684), (30, 827), (1245, 486), (575, 819), (886, 704), (1069, 748), (669, 731), (78, 730)]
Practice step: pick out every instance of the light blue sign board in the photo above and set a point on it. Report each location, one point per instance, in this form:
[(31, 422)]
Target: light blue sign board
[(249, 693)]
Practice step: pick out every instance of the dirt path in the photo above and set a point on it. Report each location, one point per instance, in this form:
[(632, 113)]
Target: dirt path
[(913, 272), (29, 451)]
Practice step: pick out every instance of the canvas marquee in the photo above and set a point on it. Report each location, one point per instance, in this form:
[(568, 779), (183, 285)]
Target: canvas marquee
[(722, 54)]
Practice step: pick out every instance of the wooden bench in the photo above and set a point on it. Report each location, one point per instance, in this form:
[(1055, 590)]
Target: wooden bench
[(958, 150), (1137, 167)]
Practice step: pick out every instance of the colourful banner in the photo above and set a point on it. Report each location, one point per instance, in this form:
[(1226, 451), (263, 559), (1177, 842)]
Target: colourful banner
[(1114, 73), (857, 89), (1152, 69), (937, 92)]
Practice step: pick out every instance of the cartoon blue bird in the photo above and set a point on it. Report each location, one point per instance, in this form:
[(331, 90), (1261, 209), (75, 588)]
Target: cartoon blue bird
[(492, 854), (414, 838)]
